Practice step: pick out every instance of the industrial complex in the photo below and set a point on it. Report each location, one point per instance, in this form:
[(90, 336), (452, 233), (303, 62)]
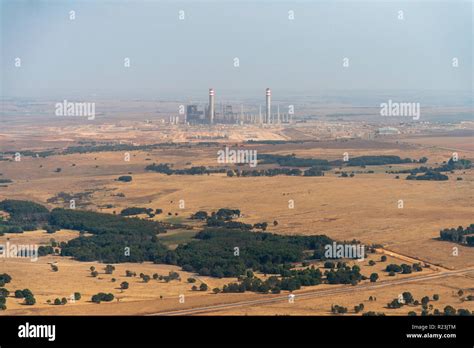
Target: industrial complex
[(222, 113)]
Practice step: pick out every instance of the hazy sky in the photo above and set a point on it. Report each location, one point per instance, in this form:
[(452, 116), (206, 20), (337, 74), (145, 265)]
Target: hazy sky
[(175, 58)]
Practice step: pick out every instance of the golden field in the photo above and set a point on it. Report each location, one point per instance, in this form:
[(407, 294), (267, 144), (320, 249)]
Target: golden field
[(364, 207)]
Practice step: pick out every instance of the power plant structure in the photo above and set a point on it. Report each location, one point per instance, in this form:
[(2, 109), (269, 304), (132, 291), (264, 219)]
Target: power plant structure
[(223, 113), (268, 104), (211, 106)]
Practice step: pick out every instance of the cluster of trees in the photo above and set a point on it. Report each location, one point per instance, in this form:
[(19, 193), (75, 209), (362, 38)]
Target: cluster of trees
[(265, 172), (59, 302), (171, 276), (288, 165), (102, 223), (102, 297), (459, 235), (403, 268), (27, 295), (434, 173), (200, 215), (454, 165), (53, 248), (223, 252), (336, 309), (374, 161), (429, 175), (451, 311), (275, 142), (115, 239), (4, 279), (408, 299), (313, 171), (23, 216), (116, 248), (202, 287), (93, 147), (290, 280), (29, 153), (344, 275), (293, 161), (413, 171), (164, 168), (28, 216), (136, 211), (223, 219)]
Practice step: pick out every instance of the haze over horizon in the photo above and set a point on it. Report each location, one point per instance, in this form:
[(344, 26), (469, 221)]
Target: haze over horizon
[(176, 59)]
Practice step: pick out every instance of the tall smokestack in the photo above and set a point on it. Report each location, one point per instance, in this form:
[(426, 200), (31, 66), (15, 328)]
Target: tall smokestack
[(211, 105), (268, 100)]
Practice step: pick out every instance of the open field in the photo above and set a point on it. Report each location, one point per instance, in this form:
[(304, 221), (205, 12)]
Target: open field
[(448, 295), (327, 205), (141, 298), (364, 207)]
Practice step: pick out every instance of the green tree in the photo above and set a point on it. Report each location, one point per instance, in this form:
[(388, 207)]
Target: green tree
[(407, 297), (449, 310), (109, 269), (30, 300)]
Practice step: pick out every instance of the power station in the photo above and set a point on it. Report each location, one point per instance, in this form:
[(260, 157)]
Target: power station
[(211, 106), (268, 104), (223, 113)]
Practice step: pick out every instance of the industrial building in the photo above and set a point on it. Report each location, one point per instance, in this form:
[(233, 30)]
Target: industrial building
[(223, 113)]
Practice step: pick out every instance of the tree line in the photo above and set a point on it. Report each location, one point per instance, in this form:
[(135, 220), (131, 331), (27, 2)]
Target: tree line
[(459, 235)]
